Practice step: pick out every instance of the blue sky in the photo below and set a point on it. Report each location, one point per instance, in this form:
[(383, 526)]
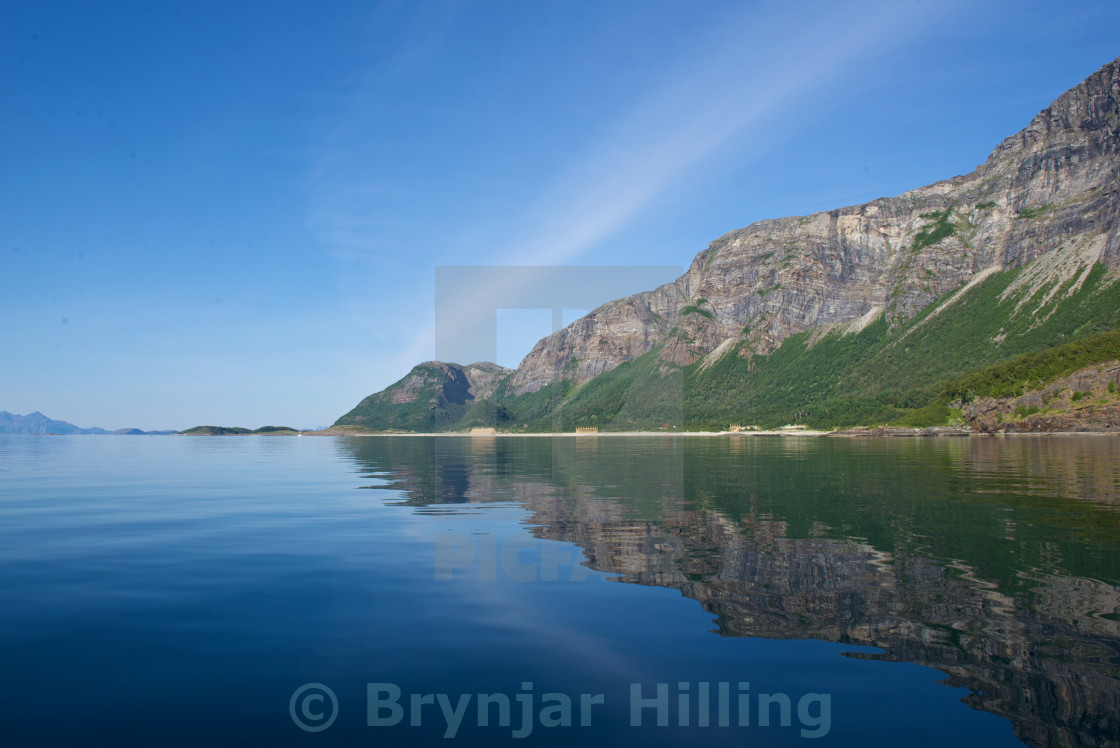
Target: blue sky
[(231, 213)]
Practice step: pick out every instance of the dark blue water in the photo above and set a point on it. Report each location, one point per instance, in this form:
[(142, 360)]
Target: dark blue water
[(185, 591)]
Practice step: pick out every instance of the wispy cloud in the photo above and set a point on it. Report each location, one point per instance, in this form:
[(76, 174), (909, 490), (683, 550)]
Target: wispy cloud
[(754, 69), (727, 103)]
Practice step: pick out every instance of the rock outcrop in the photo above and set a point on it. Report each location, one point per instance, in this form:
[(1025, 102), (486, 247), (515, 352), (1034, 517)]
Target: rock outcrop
[(1088, 400), (484, 378), (443, 383), (426, 398), (1052, 189), (446, 383)]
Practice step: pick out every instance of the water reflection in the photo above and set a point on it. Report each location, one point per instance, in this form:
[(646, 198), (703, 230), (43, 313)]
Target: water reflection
[(993, 560)]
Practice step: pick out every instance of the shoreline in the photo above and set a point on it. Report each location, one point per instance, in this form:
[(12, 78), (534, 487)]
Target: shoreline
[(804, 432), (855, 433), (852, 433)]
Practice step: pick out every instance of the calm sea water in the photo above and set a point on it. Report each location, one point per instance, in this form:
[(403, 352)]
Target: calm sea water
[(744, 591)]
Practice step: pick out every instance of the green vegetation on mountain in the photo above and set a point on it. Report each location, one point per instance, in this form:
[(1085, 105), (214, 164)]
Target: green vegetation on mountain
[(941, 228), (414, 416), (636, 395), (697, 308), (1031, 214), (1033, 371), (882, 375)]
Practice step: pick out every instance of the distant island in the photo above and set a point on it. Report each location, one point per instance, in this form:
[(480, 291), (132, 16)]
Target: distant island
[(238, 431)]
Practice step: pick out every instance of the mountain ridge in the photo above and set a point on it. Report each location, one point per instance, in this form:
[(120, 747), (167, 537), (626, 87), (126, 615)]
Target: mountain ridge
[(870, 258), (1028, 244)]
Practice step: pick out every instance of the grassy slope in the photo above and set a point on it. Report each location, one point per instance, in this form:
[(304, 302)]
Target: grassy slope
[(882, 375), (877, 376), (379, 414), (415, 416), (635, 395)]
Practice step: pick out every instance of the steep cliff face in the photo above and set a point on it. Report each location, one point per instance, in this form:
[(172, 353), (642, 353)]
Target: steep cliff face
[(1048, 196), (484, 378)]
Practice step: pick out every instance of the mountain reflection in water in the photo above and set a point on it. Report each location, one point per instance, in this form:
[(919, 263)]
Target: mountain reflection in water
[(992, 560)]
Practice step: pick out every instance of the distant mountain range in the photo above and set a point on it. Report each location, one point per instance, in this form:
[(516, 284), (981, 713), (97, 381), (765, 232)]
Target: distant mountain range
[(902, 310), (36, 424)]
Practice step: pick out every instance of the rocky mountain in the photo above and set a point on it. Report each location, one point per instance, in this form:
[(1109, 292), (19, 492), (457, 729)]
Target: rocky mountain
[(854, 315), (1049, 190), (37, 423), (433, 394)]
